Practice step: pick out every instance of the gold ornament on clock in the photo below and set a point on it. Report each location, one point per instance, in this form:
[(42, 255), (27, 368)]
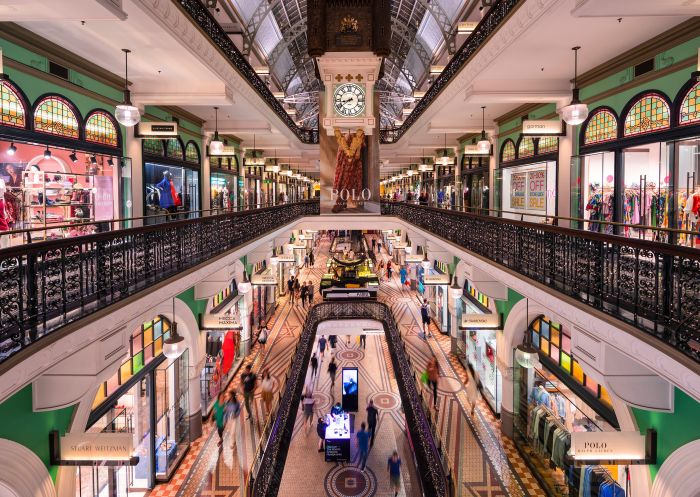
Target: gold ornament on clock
[(349, 25)]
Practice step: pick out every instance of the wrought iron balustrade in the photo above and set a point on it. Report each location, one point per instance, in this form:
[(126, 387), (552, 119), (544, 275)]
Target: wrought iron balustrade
[(486, 27), (46, 285), (652, 286), (268, 471), (200, 16)]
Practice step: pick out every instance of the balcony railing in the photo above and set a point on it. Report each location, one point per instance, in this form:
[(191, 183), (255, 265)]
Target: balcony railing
[(202, 17), (486, 27), (49, 284), (652, 286), (267, 471)]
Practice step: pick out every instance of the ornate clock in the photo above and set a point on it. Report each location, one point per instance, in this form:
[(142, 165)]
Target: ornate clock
[(349, 100)]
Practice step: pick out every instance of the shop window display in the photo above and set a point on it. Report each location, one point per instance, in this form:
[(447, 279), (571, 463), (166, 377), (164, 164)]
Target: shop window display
[(12, 111), (99, 128), (528, 189), (55, 116), (170, 189), (598, 185), (601, 127), (688, 197), (650, 113)]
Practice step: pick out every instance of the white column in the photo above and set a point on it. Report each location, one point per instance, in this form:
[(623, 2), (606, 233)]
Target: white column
[(135, 152), (206, 175), (564, 173)]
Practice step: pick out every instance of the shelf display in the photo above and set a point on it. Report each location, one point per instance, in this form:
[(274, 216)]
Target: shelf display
[(349, 272)]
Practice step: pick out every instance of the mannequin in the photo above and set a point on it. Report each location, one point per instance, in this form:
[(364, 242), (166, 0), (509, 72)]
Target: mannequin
[(166, 197)]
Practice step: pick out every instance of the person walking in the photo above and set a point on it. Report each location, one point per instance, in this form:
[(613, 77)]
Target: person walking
[(297, 289), (333, 340), (321, 432), (402, 273), (362, 447), (425, 318), (314, 365), (332, 370), (374, 243), (363, 341), (310, 292), (472, 393), (263, 334), (321, 346), (233, 411), (306, 260), (372, 415), (433, 375), (249, 380), (307, 405), (388, 270), (303, 292), (312, 260), (290, 288), (219, 415), (394, 468), (267, 385)]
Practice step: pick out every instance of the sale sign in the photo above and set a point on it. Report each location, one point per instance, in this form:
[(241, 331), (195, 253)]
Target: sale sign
[(517, 190), (537, 190)]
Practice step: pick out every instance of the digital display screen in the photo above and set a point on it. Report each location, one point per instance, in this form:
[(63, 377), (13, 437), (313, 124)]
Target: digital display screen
[(350, 389)]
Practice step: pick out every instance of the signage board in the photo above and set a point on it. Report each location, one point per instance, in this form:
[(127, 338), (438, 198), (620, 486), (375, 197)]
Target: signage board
[(466, 27), (156, 129), (264, 278), (537, 190), (517, 190), (474, 150), (436, 279), (414, 257), (400, 245), (481, 321), (228, 151), (97, 447), (350, 389), (221, 321), (543, 127), (305, 236), (285, 258), (608, 446), (104, 198)]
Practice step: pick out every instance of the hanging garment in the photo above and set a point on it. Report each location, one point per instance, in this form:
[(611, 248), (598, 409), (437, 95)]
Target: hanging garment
[(165, 198), (176, 198)]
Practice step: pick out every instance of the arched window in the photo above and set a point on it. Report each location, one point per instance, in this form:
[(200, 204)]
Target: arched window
[(548, 145), (526, 147), (690, 107), (192, 152), (55, 115), (650, 113), (153, 146), (99, 128), (508, 151), (12, 112), (174, 149), (601, 127)]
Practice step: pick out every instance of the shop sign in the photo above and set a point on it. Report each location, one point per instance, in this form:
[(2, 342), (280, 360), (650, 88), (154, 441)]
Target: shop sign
[(304, 236), (466, 27), (436, 279), (517, 190), (266, 278), (537, 190), (227, 151), (301, 246), (400, 245), (414, 257), (608, 446), (104, 198), (156, 129), (543, 127), (285, 258), (474, 150), (481, 321), (222, 321), (97, 447)]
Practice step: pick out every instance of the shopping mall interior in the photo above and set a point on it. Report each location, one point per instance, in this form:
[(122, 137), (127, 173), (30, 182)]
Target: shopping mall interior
[(349, 248)]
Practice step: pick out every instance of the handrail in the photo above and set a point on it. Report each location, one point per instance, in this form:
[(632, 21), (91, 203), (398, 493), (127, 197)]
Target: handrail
[(49, 284), (650, 285), (268, 477)]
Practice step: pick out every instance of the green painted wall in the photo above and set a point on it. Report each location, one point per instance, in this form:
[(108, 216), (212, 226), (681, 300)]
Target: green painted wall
[(673, 429), (517, 122), (505, 306), (31, 429), (197, 306)]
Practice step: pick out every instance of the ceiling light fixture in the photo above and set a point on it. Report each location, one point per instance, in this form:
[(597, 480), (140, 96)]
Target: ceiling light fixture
[(110, 162), (525, 353), (445, 159), (255, 157), (244, 286), (455, 289), (174, 345), (126, 113), (274, 260), (483, 146), (216, 146), (47, 153), (426, 262), (73, 156), (12, 149), (576, 112)]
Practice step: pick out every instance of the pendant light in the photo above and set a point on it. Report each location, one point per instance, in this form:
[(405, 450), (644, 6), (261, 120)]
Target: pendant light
[(445, 159), (47, 153), (426, 262), (12, 149), (455, 289), (525, 353), (274, 260), (126, 113), (216, 146), (174, 345), (244, 286), (576, 112), (483, 146)]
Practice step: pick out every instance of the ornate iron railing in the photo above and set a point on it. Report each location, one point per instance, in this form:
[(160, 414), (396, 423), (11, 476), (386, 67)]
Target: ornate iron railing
[(434, 480), (200, 15), (46, 285), (652, 286), (486, 27)]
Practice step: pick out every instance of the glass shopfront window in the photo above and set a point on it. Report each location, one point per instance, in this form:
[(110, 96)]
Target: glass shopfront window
[(598, 187), (224, 191), (688, 190), (529, 189), (170, 189)]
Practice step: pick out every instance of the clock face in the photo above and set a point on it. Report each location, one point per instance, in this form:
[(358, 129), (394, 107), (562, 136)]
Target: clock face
[(349, 100)]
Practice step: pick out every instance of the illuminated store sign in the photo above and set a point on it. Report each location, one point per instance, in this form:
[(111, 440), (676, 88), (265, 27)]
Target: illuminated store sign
[(542, 127), (156, 129), (616, 447), (265, 278), (97, 447), (481, 321)]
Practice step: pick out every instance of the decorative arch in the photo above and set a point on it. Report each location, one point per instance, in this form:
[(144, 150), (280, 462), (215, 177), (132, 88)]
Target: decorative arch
[(548, 145), (601, 126), (13, 105), (153, 146), (174, 149), (56, 115), (526, 147), (508, 151), (689, 112), (23, 472), (649, 113), (192, 152), (100, 127)]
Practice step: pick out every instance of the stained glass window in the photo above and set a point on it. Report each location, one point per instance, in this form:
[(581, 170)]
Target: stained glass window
[(548, 145), (11, 109), (174, 149), (100, 128), (650, 113), (690, 108), (153, 146), (508, 153), (526, 147), (54, 115), (192, 152), (601, 127)]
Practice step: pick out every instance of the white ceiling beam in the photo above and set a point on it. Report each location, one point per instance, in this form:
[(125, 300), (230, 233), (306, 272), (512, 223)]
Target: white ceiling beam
[(184, 98), (634, 8), (240, 127), (541, 92)]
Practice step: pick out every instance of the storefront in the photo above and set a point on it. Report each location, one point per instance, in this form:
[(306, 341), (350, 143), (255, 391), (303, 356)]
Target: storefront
[(527, 178), (264, 281), (147, 397), (61, 173), (171, 179), (641, 167), (477, 343), (554, 401), (436, 281), (445, 179), (475, 183), (223, 178)]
